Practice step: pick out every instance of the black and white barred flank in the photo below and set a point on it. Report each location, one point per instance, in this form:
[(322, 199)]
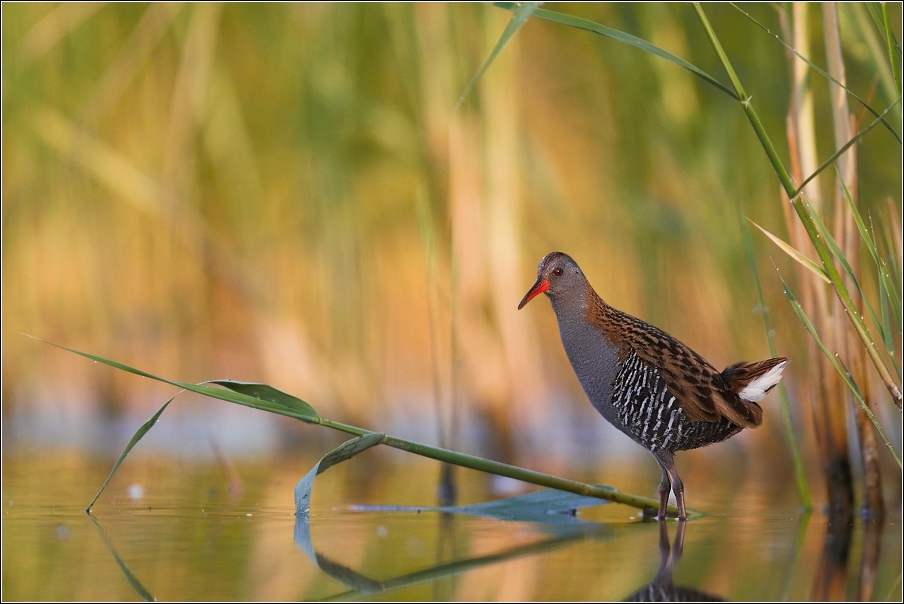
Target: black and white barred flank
[(652, 415)]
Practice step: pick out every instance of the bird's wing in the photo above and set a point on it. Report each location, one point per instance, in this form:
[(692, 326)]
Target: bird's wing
[(696, 385)]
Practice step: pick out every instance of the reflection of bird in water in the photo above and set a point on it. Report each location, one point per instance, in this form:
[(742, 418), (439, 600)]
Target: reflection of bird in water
[(661, 589)]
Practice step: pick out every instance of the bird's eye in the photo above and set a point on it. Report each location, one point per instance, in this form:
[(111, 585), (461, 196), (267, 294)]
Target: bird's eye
[(557, 272)]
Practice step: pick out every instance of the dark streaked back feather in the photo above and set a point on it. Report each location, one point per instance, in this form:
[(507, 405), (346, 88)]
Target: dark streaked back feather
[(697, 386)]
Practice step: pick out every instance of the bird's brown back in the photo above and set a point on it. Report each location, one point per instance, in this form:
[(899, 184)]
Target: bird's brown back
[(699, 389)]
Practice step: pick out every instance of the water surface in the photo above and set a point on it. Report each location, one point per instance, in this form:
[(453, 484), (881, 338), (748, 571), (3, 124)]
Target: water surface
[(177, 529)]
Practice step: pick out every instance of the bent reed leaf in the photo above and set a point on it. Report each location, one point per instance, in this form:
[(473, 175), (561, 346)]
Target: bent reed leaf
[(623, 37), (547, 506), (887, 288), (796, 255), (343, 452), (885, 294), (826, 245), (266, 392), (522, 13), (230, 396), (138, 436), (839, 367), (804, 212), (842, 259), (460, 459)]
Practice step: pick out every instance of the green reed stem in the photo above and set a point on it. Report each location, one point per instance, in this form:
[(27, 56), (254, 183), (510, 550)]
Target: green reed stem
[(501, 469), (267, 398), (836, 362), (800, 478), (894, 55), (799, 206)]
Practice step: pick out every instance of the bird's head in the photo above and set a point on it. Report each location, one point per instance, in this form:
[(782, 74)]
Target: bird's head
[(559, 277)]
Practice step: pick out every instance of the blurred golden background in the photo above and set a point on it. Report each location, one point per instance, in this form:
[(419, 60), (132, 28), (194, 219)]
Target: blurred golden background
[(288, 194)]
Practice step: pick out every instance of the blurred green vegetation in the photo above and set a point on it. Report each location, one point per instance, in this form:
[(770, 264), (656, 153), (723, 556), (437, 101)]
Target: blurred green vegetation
[(210, 191)]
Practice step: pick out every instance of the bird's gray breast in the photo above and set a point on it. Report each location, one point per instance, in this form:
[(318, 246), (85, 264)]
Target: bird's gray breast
[(594, 359)]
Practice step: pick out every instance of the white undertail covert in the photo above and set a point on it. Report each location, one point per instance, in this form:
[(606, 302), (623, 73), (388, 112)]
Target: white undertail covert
[(758, 387)]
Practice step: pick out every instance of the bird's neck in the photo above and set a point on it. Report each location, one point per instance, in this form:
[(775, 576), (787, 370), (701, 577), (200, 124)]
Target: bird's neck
[(577, 313), (584, 306), (597, 312)]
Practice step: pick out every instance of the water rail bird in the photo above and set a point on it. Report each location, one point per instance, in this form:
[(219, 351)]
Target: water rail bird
[(646, 383)]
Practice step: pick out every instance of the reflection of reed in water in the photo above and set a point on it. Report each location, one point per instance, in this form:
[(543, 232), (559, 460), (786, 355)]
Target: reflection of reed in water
[(833, 581), (661, 589)]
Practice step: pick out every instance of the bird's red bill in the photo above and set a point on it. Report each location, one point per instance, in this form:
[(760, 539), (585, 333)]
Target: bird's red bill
[(538, 288)]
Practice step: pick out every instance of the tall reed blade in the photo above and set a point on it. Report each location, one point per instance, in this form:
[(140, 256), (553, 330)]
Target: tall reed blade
[(794, 254), (803, 491), (822, 72), (145, 427), (844, 148), (623, 37), (839, 367), (801, 209), (810, 223), (894, 49), (845, 265), (522, 14)]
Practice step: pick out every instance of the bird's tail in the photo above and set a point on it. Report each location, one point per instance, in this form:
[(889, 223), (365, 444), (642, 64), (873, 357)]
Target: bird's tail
[(751, 381)]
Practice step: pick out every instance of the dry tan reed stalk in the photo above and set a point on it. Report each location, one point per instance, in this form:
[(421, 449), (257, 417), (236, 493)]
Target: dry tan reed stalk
[(848, 237), (502, 207), (828, 404)]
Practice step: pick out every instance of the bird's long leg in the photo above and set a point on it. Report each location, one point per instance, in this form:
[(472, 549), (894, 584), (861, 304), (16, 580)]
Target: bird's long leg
[(664, 459), (678, 489)]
